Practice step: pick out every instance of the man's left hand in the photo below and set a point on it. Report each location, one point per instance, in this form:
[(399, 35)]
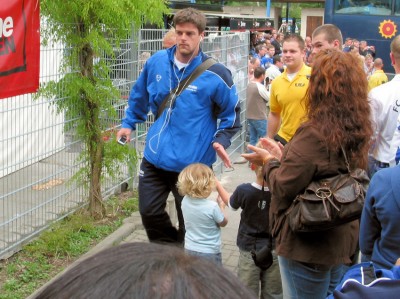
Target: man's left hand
[(222, 154)]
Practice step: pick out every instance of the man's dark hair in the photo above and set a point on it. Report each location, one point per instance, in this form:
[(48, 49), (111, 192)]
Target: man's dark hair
[(276, 59), (191, 15), (258, 72)]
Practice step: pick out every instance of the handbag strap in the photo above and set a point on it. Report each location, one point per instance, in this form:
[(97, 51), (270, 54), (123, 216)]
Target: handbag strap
[(270, 235), (171, 97), (345, 159)]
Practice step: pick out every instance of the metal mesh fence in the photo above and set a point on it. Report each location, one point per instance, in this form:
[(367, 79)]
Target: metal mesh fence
[(39, 154)]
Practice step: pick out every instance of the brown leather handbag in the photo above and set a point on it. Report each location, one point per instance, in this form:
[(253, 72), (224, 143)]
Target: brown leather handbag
[(329, 202)]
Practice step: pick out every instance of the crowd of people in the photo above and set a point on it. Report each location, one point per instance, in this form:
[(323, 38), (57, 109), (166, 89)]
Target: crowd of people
[(311, 114)]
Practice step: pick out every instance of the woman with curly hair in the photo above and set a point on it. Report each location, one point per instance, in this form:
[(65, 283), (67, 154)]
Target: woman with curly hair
[(338, 116)]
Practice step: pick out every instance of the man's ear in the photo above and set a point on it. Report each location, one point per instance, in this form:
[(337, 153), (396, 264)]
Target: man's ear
[(392, 58)]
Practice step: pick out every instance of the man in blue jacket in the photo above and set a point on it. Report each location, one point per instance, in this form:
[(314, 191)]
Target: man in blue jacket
[(380, 219), (186, 131)]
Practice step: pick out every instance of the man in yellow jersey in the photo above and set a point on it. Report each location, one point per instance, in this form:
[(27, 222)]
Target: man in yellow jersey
[(288, 91), (378, 77)]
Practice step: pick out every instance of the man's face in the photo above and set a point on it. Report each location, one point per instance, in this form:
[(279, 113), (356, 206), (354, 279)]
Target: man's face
[(188, 41), (263, 51), (319, 43), (271, 51), (363, 44), (349, 42), (293, 56), (308, 41)]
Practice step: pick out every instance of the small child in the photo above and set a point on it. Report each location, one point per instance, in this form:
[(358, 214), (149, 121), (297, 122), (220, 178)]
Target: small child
[(253, 234), (203, 217)]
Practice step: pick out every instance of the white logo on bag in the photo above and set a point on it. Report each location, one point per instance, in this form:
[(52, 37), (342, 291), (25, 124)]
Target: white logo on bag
[(158, 78), (262, 204)]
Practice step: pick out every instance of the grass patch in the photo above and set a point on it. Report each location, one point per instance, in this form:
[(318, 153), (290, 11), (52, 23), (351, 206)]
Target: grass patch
[(59, 246)]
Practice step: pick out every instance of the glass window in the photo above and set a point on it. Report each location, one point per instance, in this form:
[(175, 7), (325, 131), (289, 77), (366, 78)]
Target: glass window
[(362, 7), (397, 8)]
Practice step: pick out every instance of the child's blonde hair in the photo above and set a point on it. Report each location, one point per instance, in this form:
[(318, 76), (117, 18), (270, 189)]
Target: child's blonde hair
[(196, 180)]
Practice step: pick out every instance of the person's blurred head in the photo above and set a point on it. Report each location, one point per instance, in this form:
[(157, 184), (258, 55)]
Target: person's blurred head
[(363, 44), (196, 180), (395, 53), (277, 60), (259, 74), (261, 49), (169, 39), (253, 63), (270, 50), (349, 41), (369, 59), (293, 52), (308, 42), (337, 103), (378, 64), (326, 36), (146, 271)]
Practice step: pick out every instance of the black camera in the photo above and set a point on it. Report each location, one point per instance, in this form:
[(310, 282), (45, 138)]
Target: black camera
[(263, 257)]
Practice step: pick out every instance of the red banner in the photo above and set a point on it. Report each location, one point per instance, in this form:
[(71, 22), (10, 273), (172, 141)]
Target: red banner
[(19, 47)]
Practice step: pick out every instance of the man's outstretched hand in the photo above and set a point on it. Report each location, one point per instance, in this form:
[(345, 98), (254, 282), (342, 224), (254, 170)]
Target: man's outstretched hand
[(219, 149)]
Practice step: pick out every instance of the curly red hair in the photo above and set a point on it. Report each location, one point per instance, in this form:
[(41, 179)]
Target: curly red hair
[(338, 104)]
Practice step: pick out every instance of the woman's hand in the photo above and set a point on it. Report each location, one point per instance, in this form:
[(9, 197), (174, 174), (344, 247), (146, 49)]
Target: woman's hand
[(259, 156), (273, 147), (270, 149)]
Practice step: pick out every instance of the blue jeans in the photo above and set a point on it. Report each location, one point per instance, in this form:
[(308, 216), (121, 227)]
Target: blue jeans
[(214, 257), (308, 281), (257, 129)]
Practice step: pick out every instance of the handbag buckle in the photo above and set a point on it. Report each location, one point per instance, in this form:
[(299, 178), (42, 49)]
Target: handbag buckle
[(323, 193)]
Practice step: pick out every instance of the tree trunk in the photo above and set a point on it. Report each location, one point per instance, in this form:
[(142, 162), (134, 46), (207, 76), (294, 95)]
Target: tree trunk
[(94, 141)]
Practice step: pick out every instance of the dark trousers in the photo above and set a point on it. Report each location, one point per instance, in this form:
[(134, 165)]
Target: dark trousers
[(155, 184)]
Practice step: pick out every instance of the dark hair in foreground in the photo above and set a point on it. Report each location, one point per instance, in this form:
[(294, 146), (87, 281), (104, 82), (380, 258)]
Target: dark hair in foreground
[(146, 271), (338, 104)]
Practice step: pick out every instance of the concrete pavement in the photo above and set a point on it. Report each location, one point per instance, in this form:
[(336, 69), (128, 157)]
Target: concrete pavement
[(132, 229), (230, 253)]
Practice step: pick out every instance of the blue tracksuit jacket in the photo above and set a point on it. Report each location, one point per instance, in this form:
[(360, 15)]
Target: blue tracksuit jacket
[(380, 219), (184, 133)]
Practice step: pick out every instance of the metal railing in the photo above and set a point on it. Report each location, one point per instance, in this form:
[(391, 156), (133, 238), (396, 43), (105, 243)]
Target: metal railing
[(39, 156)]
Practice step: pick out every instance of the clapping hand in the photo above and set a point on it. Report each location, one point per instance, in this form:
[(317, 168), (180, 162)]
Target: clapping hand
[(270, 150)]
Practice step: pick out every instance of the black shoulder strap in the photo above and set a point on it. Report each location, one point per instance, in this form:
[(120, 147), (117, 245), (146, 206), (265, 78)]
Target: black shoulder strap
[(170, 98)]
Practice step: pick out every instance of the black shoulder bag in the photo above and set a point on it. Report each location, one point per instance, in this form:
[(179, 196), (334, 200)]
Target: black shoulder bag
[(171, 97)]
